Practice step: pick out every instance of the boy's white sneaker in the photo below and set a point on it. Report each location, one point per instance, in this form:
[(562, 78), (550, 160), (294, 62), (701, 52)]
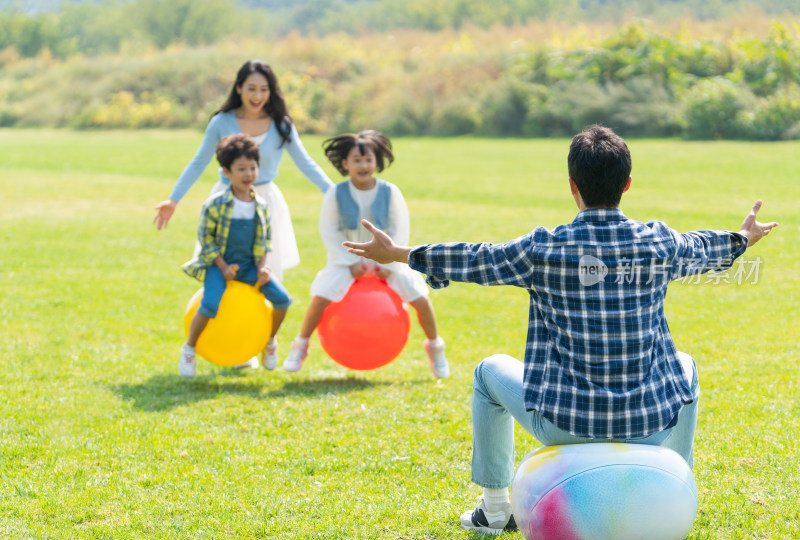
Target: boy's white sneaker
[(294, 362), (188, 363), (438, 362), (252, 363), (269, 358)]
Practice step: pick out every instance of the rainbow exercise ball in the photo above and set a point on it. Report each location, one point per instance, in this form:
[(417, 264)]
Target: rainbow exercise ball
[(604, 491), (368, 328), (241, 328)]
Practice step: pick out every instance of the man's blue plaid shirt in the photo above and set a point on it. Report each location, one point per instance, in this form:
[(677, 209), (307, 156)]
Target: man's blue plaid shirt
[(599, 360)]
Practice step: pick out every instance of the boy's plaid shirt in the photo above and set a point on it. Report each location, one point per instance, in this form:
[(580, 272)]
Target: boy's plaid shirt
[(599, 360), (214, 227)]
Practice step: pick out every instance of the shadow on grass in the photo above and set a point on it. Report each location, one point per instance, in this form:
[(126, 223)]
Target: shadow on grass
[(322, 387), (164, 392), (473, 535)]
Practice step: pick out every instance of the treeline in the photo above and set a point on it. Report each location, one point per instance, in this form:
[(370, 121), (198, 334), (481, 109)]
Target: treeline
[(92, 27), (355, 16), (538, 80), (648, 84)]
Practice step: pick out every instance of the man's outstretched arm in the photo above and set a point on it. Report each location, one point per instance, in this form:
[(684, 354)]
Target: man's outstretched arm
[(484, 263)]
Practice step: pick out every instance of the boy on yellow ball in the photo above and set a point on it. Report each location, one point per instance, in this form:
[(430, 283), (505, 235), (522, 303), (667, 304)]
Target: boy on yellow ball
[(234, 234)]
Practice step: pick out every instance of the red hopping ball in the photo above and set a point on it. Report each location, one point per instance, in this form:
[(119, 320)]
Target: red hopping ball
[(368, 328)]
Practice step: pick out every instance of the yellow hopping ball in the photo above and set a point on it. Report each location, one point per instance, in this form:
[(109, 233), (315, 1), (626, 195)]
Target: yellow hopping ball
[(241, 328)]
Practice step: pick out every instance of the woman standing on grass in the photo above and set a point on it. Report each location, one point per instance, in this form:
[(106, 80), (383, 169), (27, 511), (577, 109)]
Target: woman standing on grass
[(255, 106)]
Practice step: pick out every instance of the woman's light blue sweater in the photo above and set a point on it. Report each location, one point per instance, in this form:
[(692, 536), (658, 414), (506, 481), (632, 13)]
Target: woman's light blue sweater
[(224, 124)]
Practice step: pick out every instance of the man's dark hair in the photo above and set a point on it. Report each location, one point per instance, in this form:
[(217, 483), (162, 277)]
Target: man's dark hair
[(234, 146), (600, 164)]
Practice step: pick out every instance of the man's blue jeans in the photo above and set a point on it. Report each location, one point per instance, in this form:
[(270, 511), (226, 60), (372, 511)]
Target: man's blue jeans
[(497, 400)]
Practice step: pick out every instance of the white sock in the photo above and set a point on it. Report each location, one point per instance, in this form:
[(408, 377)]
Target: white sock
[(188, 348), (437, 343), (302, 341), (494, 500), (272, 342)]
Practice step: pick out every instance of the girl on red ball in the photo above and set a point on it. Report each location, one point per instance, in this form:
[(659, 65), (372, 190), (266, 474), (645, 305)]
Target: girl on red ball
[(363, 196)]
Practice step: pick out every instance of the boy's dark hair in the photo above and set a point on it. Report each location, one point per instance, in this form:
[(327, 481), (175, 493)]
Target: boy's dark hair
[(235, 146), (600, 164), (338, 148)]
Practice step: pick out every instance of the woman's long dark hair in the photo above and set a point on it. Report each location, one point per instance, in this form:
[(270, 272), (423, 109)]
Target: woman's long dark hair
[(275, 106)]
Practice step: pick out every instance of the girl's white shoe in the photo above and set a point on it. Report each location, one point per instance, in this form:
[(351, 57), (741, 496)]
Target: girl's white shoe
[(294, 362), (438, 361)]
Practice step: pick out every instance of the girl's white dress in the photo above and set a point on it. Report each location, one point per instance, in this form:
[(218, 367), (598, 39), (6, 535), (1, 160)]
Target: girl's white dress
[(333, 281)]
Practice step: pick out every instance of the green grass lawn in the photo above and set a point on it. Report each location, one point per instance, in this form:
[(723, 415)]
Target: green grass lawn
[(102, 439)]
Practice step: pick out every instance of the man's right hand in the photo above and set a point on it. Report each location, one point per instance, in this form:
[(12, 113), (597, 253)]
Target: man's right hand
[(380, 249)]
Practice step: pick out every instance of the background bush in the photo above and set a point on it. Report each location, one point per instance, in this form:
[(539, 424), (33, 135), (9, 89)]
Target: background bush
[(470, 74)]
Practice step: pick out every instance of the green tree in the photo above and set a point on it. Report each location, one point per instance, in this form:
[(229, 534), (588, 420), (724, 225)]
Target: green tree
[(190, 21)]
